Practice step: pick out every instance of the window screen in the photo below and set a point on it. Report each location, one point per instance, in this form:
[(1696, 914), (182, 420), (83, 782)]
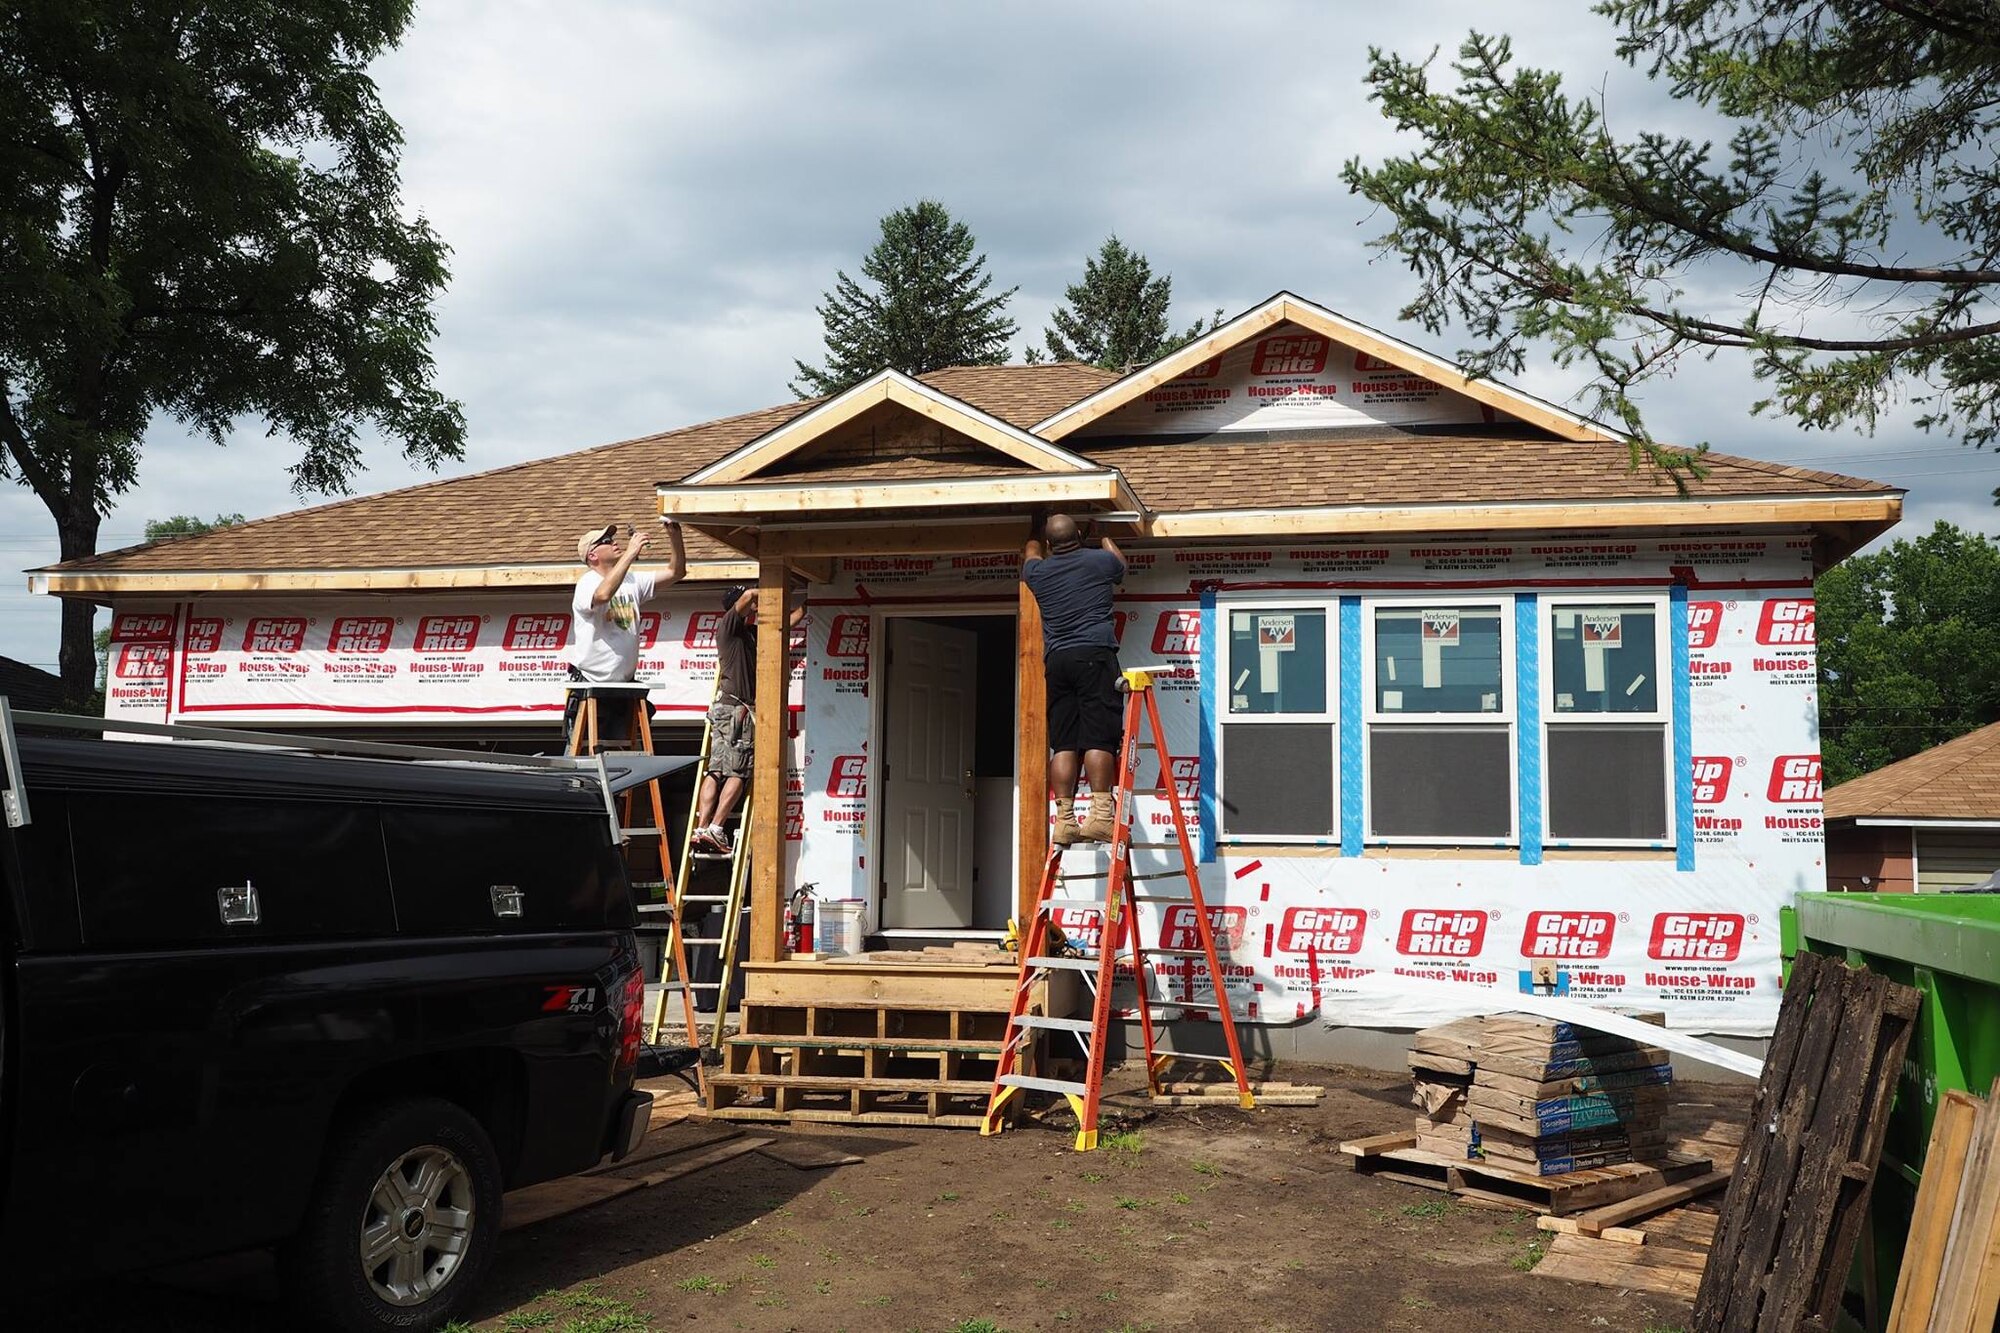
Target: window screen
[(1604, 658), (1607, 782), (1440, 782), (1277, 660), (1438, 660), (1278, 780)]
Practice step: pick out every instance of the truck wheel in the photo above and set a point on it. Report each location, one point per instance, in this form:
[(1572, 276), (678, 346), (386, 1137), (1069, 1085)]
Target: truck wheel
[(403, 1223)]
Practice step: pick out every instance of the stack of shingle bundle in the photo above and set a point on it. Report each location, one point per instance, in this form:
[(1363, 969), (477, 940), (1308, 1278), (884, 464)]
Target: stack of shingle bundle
[(1539, 1096)]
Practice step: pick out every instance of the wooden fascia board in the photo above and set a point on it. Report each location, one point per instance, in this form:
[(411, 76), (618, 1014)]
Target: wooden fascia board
[(1114, 396), (1502, 399), (699, 502), (185, 582), (984, 537), (912, 395), (1384, 519)]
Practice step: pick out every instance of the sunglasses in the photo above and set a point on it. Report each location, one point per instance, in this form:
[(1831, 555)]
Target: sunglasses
[(603, 541)]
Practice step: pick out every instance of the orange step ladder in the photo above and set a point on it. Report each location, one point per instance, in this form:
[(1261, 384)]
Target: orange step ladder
[(1045, 952)]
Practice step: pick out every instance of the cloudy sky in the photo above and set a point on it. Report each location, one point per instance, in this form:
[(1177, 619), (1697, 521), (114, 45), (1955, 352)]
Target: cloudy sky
[(645, 200)]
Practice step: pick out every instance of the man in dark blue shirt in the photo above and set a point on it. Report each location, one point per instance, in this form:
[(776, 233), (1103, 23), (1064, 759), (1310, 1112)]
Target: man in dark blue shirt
[(1073, 586)]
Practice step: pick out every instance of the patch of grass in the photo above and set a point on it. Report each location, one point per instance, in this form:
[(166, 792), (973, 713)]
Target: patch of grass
[(975, 1326), (586, 1298), (949, 1196), (876, 1301), (1419, 1303), (532, 1319), (1180, 1196), (763, 1261), (824, 1287), (618, 1321), (1125, 1141), (1431, 1209), (1093, 1178), (1044, 1283), (1294, 1265), (1075, 1206), (1202, 1168), (1131, 1205), (771, 1303), (703, 1282), (1108, 1297), (1665, 1328), (1062, 1224), (1525, 1261)]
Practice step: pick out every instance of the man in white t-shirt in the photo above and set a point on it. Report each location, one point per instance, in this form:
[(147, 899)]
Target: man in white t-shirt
[(604, 617)]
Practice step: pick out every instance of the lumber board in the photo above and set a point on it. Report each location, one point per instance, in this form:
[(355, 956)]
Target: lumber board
[(765, 815), (816, 1115), (688, 1164), (1378, 1143), (1031, 755), (1952, 1129), (560, 1197), (850, 1082), (1605, 1263), (1653, 1201), (1571, 1192), (1975, 1226), (651, 1151)]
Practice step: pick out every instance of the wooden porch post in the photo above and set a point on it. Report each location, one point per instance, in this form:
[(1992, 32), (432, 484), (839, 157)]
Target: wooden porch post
[(767, 772), (1031, 765)]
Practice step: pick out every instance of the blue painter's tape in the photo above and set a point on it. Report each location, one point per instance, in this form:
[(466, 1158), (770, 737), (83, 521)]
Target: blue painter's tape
[(1528, 709), (1350, 726), (1206, 824), (1677, 635)]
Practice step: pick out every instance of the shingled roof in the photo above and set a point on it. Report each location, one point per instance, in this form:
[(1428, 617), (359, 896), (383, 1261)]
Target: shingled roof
[(1957, 780)]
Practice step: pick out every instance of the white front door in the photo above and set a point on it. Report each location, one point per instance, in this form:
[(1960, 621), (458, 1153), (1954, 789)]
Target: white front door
[(927, 796)]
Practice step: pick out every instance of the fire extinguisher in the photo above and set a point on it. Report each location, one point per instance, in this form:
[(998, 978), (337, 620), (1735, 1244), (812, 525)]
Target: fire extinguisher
[(799, 920)]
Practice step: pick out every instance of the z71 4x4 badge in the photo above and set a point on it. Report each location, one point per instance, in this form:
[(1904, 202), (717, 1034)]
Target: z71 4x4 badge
[(569, 999)]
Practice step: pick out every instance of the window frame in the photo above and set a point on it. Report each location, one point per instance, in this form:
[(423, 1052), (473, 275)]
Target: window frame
[(1226, 605), (1507, 716), (1661, 716)]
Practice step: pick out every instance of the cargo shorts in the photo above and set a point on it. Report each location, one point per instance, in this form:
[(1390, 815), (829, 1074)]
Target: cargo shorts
[(732, 738)]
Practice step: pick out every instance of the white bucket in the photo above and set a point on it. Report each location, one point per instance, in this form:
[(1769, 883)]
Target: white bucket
[(838, 925)]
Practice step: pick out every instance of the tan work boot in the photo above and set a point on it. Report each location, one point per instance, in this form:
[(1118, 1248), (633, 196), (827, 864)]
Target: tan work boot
[(1066, 833), (1103, 817)]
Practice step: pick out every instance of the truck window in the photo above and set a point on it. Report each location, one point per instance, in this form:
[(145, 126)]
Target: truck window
[(148, 868)]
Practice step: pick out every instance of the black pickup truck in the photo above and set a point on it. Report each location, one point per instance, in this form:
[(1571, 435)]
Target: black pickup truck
[(329, 1005)]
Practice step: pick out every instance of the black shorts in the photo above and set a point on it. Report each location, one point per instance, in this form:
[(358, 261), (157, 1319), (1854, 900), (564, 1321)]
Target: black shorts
[(1085, 711)]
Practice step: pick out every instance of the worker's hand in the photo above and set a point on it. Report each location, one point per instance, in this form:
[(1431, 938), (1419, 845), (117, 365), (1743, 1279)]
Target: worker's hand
[(640, 541)]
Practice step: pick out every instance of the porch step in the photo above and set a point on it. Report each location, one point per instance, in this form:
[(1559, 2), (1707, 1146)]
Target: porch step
[(843, 1083), (891, 1045)]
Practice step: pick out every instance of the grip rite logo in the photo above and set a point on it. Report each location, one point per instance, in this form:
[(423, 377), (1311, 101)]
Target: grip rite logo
[(847, 635), (143, 661), (649, 630), (1786, 622), (543, 633), (447, 634), (847, 780), (1696, 937), (1180, 930), (701, 629), (795, 819), (1177, 633), (1431, 934), (204, 635), (133, 627), (1711, 778), (1187, 780), (274, 634), (1567, 935), (1084, 926), (1290, 354), (360, 634), (1334, 930), (1704, 624), (1794, 780), (1207, 370)]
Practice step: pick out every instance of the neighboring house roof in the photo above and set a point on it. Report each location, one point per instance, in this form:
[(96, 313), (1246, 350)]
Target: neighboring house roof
[(29, 687), (1954, 781)]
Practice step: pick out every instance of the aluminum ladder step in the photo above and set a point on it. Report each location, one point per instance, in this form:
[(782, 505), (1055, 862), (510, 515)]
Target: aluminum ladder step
[(1052, 1024), (1073, 964), (1033, 1084)]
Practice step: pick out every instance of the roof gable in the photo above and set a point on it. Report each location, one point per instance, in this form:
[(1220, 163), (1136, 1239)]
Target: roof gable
[(1290, 364), (910, 412)]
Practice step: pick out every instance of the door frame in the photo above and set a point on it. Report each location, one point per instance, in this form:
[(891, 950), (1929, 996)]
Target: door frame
[(878, 715)]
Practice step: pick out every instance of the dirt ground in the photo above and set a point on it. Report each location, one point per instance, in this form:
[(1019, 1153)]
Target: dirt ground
[(1212, 1219)]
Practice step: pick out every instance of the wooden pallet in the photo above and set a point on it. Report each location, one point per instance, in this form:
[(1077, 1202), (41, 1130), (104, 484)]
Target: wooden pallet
[(1668, 1260), (1219, 1095), (1800, 1193), (1395, 1157), (1950, 1282)]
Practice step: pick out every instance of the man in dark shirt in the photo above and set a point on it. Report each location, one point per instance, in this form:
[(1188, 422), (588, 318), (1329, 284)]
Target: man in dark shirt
[(1073, 586), (732, 719)]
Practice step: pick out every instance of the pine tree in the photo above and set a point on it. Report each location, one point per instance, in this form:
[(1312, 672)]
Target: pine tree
[(1117, 316), (928, 306)]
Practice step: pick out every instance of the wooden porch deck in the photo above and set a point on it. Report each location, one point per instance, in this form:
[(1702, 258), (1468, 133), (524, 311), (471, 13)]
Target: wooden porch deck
[(895, 1037)]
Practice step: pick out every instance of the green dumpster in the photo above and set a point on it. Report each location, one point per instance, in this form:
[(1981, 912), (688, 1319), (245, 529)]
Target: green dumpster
[(1947, 946)]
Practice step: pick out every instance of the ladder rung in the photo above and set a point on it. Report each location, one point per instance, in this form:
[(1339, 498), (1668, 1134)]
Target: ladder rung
[(1077, 904), (647, 831), (1088, 874), (1160, 874), (1187, 1004), (656, 907), (1073, 964), (704, 897), (1156, 846), (1162, 898), (649, 884), (1196, 1059), (699, 939), (1042, 1084), (1179, 953), (1052, 1024)]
